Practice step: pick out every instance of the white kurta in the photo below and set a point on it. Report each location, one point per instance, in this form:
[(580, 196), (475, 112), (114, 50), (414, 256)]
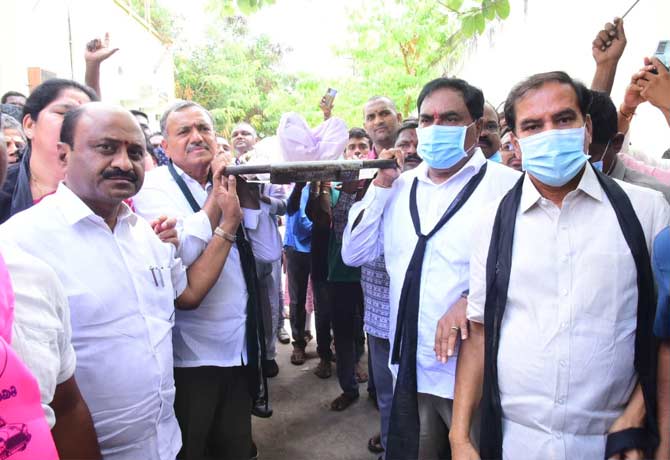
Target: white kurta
[(567, 340), (214, 334), (121, 318), (386, 227)]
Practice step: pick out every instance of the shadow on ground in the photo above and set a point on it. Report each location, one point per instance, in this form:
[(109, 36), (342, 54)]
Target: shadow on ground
[(303, 427)]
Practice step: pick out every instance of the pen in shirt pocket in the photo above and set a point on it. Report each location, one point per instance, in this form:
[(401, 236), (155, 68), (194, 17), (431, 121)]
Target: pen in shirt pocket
[(157, 276)]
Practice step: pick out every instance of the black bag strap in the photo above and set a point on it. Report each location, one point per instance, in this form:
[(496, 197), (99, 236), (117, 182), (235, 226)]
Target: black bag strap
[(183, 187)]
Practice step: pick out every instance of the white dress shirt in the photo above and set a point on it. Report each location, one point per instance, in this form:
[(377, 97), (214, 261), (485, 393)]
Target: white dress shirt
[(261, 224), (386, 227), (567, 341), (214, 333), (121, 287), (41, 333)]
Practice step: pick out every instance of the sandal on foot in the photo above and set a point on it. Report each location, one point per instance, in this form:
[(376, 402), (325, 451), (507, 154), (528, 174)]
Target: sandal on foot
[(343, 401), (375, 444)]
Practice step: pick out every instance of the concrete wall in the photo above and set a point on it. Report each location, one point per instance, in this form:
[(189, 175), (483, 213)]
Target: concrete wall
[(35, 33), (543, 35)]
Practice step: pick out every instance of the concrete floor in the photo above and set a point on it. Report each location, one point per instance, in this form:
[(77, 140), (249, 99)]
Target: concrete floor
[(303, 427)]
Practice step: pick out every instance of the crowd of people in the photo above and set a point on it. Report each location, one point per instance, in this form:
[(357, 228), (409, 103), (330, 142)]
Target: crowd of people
[(509, 278)]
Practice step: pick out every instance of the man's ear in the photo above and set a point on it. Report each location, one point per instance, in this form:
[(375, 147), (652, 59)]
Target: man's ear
[(517, 147), (589, 133), (64, 151), (399, 116), (28, 126), (479, 124), (617, 142), (164, 147)]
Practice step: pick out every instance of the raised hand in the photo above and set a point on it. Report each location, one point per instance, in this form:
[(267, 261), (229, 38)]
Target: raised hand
[(387, 176), (226, 198), (655, 85), (98, 50), (610, 42)]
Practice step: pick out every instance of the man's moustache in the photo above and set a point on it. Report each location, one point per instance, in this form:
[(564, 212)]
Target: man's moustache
[(413, 157), (192, 147), (485, 141), (119, 174)]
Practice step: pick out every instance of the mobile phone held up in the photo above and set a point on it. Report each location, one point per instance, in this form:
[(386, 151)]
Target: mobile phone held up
[(663, 53), (329, 97)]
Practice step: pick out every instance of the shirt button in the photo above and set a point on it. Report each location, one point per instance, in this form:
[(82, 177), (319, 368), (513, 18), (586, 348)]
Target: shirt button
[(558, 435), (560, 401), (564, 363), (564, 292), (564, 259)]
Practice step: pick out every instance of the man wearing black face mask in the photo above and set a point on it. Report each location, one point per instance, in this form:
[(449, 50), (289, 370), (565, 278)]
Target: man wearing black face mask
[(421, 209), (607, 142)]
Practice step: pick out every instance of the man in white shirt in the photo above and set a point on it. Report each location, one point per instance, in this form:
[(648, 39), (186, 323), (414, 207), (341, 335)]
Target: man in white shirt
[(212, 400), (570, 358), (454, 173), (41, 337), (121, 281)]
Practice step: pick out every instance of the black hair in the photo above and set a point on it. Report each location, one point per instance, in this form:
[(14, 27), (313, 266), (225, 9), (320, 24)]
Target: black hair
[(47, 92), (69, 125), (603, 117), (140, 113), (360, 133), (537, 80), (13, 111), (666, 155), (409, 123), (178, 107), (9, 94), (473, 97)]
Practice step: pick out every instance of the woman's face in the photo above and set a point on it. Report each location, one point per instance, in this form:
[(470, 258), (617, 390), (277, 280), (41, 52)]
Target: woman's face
[(44, 133)]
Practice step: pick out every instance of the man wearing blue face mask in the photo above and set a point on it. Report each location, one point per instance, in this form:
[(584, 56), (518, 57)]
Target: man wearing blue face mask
[(422, 221), (561, 351), (607, 143)]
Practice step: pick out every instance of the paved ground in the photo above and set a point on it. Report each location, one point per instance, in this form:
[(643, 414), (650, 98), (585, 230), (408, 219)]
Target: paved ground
[(303, 427)]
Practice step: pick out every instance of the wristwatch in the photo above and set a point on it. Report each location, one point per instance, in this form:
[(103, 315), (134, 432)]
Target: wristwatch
[(218, 231)]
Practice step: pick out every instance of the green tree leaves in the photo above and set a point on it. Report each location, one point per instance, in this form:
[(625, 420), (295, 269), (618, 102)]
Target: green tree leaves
[(392, 48)]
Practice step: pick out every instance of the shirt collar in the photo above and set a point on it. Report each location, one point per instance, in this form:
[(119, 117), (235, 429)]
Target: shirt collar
[(75, 210), (188, 178), (588, 184), (474, 164)]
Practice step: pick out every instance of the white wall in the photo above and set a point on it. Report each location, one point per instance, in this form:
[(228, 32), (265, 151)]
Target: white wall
[(139, 75), (557, 35)]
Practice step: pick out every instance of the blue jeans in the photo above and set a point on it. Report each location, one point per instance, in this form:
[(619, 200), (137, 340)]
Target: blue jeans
[(379, 354)]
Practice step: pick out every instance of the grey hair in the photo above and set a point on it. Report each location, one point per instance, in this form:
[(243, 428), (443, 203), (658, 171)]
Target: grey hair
[(9, 122), (178, 107), (245, 123)]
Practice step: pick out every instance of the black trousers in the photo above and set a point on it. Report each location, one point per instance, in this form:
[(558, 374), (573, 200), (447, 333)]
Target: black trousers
[(298, 265), (213, 408), (345, 299)]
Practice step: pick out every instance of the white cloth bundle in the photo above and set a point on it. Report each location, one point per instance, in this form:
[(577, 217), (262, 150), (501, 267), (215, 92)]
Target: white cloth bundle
[(300, 143)]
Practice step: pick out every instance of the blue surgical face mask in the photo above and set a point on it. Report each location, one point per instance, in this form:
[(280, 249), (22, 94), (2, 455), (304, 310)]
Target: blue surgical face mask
[(497, 157), (554, 157), (599, 164), (441, 147)]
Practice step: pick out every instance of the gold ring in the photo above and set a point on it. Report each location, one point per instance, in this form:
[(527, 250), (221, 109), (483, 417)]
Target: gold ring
[(455, 328)]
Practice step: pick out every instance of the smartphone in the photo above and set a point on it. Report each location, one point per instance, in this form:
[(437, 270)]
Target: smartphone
[(329, 97), (663, 53)]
